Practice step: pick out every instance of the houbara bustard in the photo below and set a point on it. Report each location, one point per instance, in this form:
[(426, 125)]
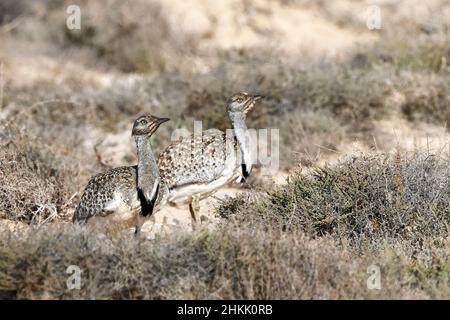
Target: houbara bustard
[(124, 195), (195, 167)]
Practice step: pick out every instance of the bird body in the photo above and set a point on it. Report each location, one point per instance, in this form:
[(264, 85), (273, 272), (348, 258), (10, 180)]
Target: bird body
[(198, 165), (189, 169), (110, 192), (124, 194)]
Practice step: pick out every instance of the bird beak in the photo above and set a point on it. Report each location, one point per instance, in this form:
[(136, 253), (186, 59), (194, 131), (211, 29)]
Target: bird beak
[(252, 102), (162, 120), (257, 97)]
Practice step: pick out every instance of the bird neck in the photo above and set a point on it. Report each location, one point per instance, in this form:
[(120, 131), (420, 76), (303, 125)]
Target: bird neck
[(147, 168), (243, 138)]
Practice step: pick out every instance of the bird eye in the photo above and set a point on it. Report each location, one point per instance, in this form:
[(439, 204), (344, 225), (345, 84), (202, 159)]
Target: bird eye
[(143, 122), (239, 100)]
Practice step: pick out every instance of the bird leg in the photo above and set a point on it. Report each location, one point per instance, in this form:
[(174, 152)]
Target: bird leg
[(137, 231), (140, 220), (194, 207)]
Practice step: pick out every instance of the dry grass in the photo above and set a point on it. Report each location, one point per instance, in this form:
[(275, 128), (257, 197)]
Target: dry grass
[(311, 238), (236, 262), (426, 98), (10, 10), (35, 186), (362, 201)]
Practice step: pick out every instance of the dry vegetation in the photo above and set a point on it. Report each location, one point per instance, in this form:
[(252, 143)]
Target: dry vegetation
[(361, 201), (313, 237)]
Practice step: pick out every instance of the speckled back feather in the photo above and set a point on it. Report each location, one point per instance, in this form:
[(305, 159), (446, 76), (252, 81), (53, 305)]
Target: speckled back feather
[(198, 159), (101, 190)]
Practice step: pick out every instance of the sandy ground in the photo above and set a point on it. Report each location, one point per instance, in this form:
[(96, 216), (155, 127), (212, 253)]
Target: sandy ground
[(219, 26), (236, 24), (393, 135)]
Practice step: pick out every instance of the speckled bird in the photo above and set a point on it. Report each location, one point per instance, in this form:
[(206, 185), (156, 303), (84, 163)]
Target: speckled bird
[(197, 166), (125, 194)]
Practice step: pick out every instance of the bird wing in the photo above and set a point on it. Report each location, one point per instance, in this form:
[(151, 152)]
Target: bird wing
[(103, 189), (198, 159)]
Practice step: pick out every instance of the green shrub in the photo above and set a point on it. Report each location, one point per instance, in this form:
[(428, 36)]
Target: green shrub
[(366, 199)]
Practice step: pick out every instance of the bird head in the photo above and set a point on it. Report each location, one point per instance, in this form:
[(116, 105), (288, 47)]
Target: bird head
[(242, 102), (147, 125)]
